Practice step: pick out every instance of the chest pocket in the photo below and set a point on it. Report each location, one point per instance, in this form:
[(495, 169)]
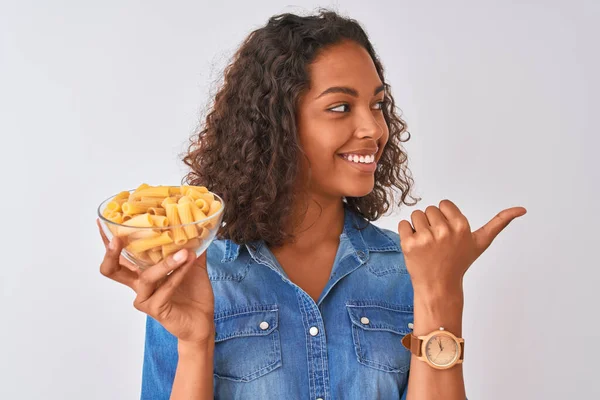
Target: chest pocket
[(247, 344), (377, 331)]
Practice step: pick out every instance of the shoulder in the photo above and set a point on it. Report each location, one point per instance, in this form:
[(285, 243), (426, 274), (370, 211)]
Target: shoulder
[(225, 263), (380, 239), (392, 235), (386, 261)]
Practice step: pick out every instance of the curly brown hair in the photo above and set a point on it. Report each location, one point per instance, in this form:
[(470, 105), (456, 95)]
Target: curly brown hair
[(247, 150)]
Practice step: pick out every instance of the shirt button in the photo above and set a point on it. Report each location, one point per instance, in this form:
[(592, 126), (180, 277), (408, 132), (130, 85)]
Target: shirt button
[(360, 254), (314, 331), (364, 320), (410, 325), (264, 325), (320, 398)]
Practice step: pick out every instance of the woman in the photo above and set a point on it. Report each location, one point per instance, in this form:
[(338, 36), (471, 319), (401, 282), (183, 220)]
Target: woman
[(300, 295)]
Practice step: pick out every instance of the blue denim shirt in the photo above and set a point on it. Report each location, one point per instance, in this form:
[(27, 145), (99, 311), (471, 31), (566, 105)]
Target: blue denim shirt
[(273, 341)]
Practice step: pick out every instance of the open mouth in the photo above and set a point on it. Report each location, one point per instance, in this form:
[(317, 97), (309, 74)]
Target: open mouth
[(361, 166)]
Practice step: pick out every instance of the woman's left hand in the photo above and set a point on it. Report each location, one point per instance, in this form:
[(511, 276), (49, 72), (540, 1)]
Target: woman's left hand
[(441, 247)]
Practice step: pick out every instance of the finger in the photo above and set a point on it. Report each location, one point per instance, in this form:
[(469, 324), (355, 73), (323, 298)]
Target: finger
[(150, 278), (405, 230), (456, 219), (450, 210), (106, 241), (163, 293), (420, 221), (125, 262), (484, 236), (104, 238), (436, 217), (201, 260), (111, 268)]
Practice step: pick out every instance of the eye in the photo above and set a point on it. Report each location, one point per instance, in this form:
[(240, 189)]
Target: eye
[(341, 105), (383, 103)]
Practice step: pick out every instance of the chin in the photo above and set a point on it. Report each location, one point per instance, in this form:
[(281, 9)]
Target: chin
[(357, 189)]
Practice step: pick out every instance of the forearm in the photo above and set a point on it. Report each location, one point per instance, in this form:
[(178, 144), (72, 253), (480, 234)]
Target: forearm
[(432, 310), (194, 374)]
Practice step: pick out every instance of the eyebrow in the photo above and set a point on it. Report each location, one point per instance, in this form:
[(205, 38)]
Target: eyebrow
[(347, 90)]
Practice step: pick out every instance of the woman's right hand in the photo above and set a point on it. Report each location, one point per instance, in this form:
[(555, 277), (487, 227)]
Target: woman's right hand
[(182, 302)]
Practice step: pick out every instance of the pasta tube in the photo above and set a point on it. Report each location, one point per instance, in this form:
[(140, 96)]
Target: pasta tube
[(201, 189), (155, 201), (215, 206), (124, 195), (146, 233), (115, 205), (209, 197), (142, 186), (196, 212), (170, 248), (155, 255), (179, 236), (113, 217), (204, 233), (184, 199), (203, 205), (133, 195), (159, 220), (138, 221), (143, 256), (142, 220), (156, 211), (139, 245), (185, 216), (134, 207), (168, 200), (152, 191), (193, 194)]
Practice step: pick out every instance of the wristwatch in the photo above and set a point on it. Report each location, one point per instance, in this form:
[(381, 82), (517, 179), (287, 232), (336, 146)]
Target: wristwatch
[(440, 349)]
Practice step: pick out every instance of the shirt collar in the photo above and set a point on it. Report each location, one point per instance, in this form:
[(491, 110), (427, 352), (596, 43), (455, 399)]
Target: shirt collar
[(364, 237)]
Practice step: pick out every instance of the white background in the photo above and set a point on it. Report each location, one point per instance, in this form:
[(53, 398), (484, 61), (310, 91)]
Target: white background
[(97, 97)]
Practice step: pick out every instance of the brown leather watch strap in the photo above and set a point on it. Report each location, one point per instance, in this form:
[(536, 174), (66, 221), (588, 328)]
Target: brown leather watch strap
[(416, 345), (413, 345)]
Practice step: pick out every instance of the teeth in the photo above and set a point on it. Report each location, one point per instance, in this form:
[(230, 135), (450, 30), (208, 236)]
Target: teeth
[(359, 159)]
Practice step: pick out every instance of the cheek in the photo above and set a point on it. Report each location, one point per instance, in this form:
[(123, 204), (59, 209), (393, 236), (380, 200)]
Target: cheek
[(323, 150), (385, 133)]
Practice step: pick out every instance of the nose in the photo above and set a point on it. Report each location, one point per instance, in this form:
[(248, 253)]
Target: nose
[(370, 126)]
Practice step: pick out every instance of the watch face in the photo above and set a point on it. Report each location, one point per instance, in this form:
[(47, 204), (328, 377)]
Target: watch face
[(441, 350)]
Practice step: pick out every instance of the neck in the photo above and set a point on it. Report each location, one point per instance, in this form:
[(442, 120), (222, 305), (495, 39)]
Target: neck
[(314, 225)]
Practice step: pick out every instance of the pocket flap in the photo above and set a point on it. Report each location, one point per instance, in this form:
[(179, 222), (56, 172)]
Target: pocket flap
[(254, 321), (381, 317)]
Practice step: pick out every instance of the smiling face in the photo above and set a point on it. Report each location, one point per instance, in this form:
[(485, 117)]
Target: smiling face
[(342, 113)]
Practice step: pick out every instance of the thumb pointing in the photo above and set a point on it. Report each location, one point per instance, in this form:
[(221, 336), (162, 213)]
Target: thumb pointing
[(485, 235)]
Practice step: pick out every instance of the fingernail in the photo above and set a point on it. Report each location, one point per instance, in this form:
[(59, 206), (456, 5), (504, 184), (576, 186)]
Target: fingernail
[(180, 256)]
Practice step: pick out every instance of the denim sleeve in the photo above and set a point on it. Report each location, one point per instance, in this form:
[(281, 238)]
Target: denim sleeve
[(160, 362)]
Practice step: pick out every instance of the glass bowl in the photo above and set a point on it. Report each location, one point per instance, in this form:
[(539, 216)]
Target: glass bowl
[(148, 245)]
